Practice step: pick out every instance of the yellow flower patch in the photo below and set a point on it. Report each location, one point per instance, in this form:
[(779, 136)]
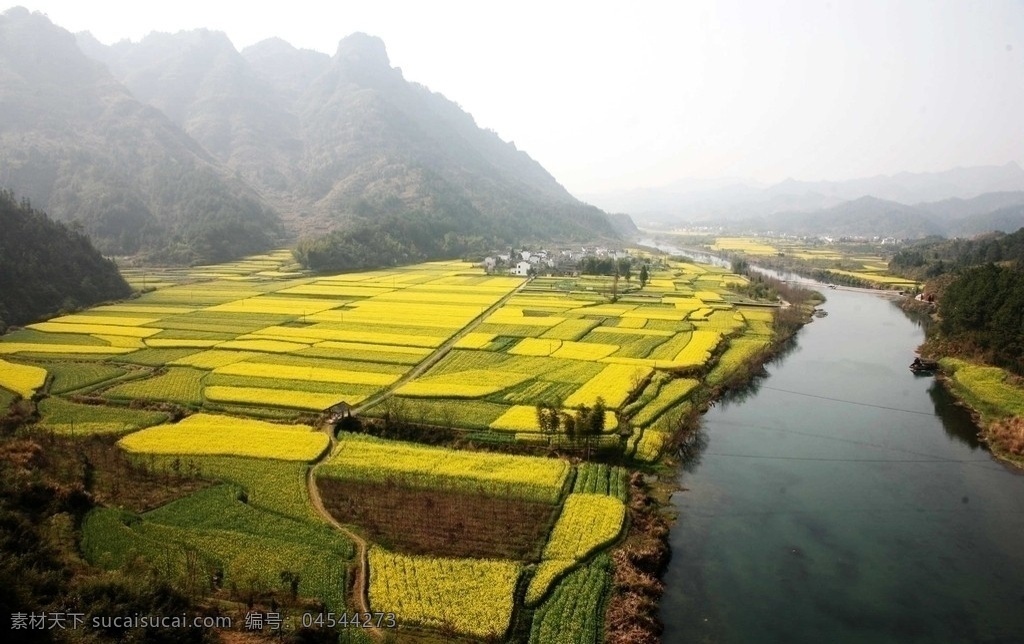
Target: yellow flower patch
[(261, 396), (474, 597), (613, 384), (317, 374), (22, 379), (97, 329), (225, 435), (474, 340)]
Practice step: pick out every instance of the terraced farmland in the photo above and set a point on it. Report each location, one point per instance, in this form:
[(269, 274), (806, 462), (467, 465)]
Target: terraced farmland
[(221, 373)]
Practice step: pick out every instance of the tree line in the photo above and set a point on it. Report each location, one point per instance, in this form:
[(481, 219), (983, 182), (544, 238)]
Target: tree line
[(47, 267), (580, 426)]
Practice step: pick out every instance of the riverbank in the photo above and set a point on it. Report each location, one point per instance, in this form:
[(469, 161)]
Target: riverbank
[(641, 560), (994, 396), (996, 401), (844, 499)]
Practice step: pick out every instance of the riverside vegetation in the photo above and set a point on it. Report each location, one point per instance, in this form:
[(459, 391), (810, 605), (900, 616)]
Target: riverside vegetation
[(488, 464), (974, 291)]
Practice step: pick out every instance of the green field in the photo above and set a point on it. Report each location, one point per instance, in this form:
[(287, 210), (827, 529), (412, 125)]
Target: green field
[(220, 375)]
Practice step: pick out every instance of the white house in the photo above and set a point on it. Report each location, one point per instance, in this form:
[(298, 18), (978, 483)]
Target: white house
[(521, 269)]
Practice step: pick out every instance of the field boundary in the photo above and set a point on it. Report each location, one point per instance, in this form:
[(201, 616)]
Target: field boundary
[(361, 581)]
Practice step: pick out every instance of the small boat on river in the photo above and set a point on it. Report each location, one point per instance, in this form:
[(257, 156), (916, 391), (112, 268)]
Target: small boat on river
[(924, 367)]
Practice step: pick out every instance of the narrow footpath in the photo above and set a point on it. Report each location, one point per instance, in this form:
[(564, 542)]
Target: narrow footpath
[(361, 581)]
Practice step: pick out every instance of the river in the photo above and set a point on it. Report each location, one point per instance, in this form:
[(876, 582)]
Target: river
[(844, 499)]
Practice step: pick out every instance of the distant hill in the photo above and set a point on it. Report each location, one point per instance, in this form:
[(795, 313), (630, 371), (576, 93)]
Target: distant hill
[(75, 142), (45, 266), (345, 142), (871, 217), (966, 196), (910, 188)]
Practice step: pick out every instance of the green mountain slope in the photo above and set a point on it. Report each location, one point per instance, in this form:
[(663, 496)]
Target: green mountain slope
[(346, 143), (80, 146), (45, 266)]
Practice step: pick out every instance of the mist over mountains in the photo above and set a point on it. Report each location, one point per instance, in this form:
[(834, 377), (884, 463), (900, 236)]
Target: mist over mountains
[(957, 202), (183, 149)]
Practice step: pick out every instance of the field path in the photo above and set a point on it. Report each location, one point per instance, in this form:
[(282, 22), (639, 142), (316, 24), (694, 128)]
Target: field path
[(361, 583)]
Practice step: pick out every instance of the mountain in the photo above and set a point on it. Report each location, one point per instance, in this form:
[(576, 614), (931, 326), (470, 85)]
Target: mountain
[(872, 217), (957, 208), (863, 217), (910, 188), (199, 81), (78, 144), (46, 266), (346, 142), (954, 194)]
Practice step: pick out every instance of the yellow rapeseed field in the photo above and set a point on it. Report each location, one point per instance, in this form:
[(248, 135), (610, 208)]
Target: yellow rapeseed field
[(295, 372), (626, 330), (511, 315), (124, 341), (587, 522), (102, 329), (366, 458), (547, 572), (347, 335), (225, 435), (698, 350), (474, 340), (425, 389), (535, 347), (181, 343), (41, 347), (591, 351), (22, 379), (336, 290), (263, 346), (613, 384), (85, 318), (213, 358), (366, 346), (523, 418), (262, 396), (280, 305), (474, 597)]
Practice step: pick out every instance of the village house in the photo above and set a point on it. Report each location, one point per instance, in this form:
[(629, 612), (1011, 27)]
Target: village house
[(521, 268)]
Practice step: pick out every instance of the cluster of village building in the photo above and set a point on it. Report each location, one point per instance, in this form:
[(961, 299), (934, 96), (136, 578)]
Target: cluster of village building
[(565, 261)]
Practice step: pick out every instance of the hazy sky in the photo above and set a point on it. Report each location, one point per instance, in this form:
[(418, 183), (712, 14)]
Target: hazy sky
[(609, 96)]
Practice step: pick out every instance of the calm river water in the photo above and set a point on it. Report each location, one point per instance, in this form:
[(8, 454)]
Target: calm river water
[(843, 499)]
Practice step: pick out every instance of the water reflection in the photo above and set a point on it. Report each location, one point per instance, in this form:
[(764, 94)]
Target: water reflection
[(956, 420), (845, 515), (692, 449)]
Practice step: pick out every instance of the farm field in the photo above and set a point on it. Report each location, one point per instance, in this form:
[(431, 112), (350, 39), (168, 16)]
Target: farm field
[(224, 374), (844, 263)]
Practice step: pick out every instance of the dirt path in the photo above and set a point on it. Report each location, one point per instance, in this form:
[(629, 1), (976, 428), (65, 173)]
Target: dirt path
[(360, 586)]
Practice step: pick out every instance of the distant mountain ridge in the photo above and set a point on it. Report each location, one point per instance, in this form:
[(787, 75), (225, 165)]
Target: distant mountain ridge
[(184, 149), (962, 201), (335, 140), (77, 144)]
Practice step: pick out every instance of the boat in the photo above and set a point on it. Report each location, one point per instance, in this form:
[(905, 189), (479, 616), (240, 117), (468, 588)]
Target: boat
[(924, 366), (818, 313)]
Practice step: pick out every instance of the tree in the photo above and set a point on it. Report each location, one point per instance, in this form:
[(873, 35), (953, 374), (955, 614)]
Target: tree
[(644, 276), (549, 417), (594, 421), (626, 268)]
